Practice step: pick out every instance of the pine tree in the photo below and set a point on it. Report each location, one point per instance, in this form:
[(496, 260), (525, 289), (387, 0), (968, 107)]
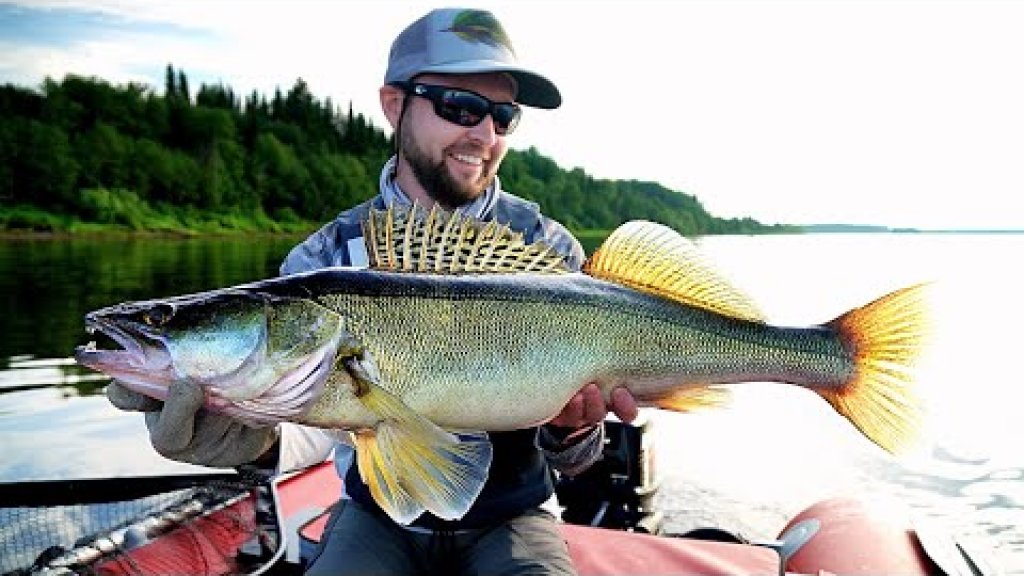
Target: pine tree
[(170, 89), (183, 87)]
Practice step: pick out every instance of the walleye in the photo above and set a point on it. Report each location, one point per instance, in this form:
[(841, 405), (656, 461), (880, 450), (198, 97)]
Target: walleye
[(459, 327)]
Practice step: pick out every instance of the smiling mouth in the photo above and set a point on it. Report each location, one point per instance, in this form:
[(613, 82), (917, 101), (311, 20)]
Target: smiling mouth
[(468, 159)]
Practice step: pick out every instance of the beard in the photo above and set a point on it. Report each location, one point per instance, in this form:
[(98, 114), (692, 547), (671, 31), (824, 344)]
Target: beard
[(437, 180)]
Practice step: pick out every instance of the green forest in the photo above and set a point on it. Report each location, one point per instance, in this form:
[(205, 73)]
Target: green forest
[(84, 155)]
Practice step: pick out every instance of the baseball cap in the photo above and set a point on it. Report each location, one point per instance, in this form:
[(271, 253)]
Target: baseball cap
[(465, 41)]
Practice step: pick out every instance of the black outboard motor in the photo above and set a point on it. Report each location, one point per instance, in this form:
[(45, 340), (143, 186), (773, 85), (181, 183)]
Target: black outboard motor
[(618, 490)]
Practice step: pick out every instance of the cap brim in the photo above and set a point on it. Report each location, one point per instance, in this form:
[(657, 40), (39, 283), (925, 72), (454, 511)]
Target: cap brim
[(533, 89)]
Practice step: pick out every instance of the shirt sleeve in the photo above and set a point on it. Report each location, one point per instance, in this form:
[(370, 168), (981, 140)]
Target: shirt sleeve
[(317, 251), (303, 446)]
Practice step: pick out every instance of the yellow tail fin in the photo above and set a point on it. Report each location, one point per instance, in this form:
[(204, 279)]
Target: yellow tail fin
[(886, 338)]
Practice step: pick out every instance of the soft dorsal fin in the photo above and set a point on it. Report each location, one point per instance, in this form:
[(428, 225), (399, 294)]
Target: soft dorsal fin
[(655, 259), (413, 239)]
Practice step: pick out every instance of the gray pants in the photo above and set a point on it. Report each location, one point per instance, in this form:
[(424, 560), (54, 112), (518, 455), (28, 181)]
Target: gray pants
[(359, 542)]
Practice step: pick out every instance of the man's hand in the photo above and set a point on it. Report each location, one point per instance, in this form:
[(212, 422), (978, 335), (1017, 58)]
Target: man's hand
[(180, 430), (588, 408)]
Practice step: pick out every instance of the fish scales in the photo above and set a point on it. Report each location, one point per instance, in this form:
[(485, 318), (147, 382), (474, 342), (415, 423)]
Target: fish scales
[(495, 340)]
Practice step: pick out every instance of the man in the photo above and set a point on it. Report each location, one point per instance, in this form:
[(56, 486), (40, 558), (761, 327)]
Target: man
[(452, 94)]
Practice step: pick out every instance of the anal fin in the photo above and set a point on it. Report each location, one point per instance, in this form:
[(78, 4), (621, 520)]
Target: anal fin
[(692, 399)]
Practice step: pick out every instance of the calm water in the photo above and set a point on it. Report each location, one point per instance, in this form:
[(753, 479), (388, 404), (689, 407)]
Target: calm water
[(747, 468)]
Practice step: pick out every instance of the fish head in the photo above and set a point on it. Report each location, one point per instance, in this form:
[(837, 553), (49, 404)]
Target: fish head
[(249, 350)]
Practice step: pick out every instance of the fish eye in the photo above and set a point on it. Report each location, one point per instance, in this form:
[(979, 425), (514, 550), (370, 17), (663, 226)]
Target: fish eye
[(158, 315)]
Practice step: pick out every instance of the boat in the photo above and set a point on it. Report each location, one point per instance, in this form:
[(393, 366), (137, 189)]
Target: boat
[(246, 523)]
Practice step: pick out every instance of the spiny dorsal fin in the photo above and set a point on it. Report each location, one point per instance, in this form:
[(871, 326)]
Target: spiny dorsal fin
[(413, 239), (655, 259)]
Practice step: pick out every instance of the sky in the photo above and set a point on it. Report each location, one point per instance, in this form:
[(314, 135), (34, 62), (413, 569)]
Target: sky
[(902, 113)]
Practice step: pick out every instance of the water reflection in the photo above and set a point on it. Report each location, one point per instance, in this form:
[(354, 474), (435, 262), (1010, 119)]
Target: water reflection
[(69, 430), (716, 473), (46, 286), (24, 373), (54, 420)]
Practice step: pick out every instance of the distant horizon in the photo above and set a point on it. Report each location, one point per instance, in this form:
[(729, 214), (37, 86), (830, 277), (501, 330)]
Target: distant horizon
[(824, 228)]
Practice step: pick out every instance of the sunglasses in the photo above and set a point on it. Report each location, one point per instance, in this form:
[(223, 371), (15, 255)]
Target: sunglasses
[(466, 108)]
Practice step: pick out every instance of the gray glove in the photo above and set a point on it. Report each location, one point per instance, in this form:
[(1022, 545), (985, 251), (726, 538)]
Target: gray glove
[(180, 430)]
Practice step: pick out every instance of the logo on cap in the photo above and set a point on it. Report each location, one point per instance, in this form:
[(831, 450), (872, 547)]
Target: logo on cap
[(480, 26)]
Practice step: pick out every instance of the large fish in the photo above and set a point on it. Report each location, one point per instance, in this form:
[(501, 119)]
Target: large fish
[(458, 328)]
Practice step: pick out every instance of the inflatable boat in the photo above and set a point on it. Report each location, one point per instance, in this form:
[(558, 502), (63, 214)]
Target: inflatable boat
[(221, 524)]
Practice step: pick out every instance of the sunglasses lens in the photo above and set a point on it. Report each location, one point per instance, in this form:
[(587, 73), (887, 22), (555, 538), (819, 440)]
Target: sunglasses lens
[(462, 108), (506, 116)]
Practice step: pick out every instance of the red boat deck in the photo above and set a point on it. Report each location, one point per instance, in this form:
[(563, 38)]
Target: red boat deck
[(844, 538)]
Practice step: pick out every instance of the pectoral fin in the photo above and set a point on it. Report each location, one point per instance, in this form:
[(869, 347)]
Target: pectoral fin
[(409, 463)]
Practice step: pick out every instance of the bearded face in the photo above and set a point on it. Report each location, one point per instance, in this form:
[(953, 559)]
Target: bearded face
[(442, 160), (436, 176)]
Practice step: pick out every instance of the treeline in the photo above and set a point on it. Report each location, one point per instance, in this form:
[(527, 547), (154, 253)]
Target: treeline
[(82, 151)]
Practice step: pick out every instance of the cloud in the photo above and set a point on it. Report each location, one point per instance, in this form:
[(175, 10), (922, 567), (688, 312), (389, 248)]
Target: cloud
[(52, 39)]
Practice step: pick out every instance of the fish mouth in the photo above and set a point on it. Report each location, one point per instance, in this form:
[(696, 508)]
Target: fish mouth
[(138, 351)]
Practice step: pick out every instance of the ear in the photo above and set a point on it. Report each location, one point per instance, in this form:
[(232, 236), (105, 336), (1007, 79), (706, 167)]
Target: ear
[(391, 100)]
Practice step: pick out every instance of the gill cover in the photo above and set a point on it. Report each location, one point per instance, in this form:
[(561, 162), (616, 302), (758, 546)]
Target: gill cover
[(260, 357)]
